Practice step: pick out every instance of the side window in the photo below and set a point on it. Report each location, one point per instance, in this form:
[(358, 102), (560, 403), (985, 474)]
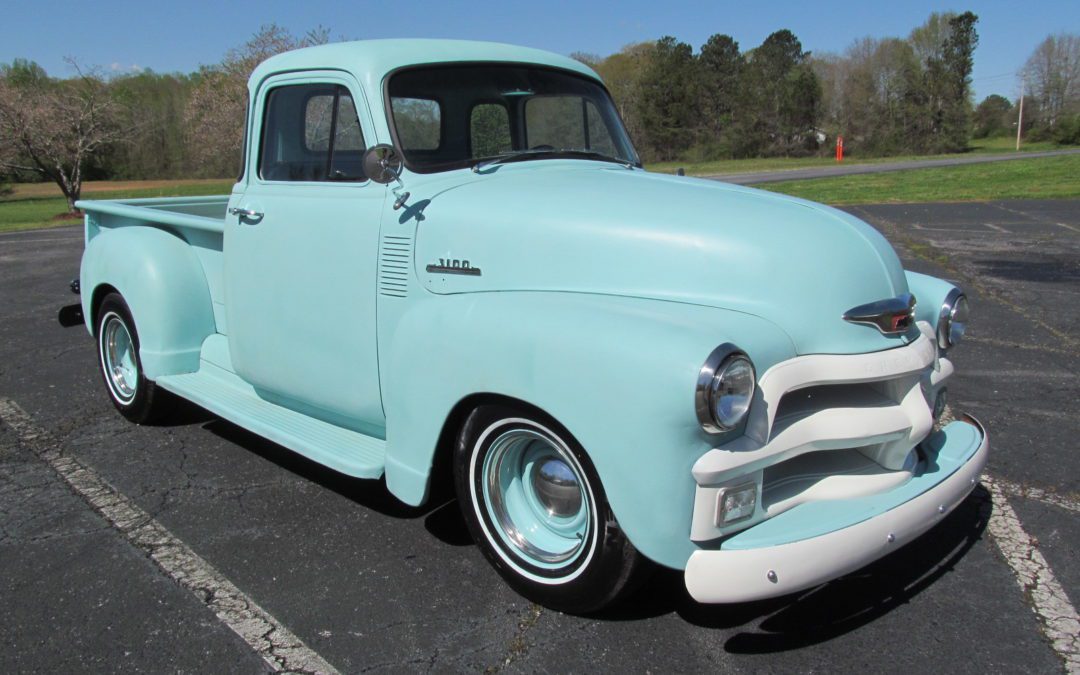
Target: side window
[(311, 132), (418, 122), (489, 130)]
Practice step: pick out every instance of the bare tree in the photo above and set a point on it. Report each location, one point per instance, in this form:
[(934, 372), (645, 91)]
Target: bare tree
[(54, 128), (1052, 76), (928, 40), (215, 113)]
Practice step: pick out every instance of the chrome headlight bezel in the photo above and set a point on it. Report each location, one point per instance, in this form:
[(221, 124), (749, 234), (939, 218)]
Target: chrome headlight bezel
[(711, 379), (952, 320)]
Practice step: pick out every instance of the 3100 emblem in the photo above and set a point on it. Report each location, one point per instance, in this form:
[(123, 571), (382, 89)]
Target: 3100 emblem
[(453, 266)]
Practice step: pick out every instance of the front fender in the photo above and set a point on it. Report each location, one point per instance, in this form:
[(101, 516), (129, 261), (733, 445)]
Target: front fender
[(930, 292), (618, 373), (165, 287)]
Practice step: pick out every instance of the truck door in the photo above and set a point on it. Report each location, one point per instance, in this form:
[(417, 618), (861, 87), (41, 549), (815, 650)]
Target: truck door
[(301, 246)]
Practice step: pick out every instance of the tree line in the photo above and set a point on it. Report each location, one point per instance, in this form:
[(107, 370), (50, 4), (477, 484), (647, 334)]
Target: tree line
[(886, 96)]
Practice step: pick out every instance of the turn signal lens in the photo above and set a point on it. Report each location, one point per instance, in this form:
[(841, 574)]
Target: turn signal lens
[(735, 504)]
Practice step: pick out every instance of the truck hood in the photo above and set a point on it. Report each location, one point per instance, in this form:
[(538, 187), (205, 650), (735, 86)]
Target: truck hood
[(585, 227)]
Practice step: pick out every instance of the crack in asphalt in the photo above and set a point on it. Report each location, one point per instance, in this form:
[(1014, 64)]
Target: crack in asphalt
[(278, 647), (518, 646)]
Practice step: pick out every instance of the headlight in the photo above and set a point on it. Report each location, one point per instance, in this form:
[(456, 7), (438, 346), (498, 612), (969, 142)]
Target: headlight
[(952, 322), (725, 389)]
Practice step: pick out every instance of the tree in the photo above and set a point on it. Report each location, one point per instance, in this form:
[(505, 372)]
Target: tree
[(875, 95), (154, 112), (668, 103), (55, 128), (993, 117), (928, 40), (957, 61), (217, 108), (721, 68), (780, 98), (1052, 76)]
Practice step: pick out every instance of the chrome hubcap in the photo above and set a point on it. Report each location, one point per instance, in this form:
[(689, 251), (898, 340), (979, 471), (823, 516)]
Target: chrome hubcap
[(536, 496), (118, 352), (557, 488)]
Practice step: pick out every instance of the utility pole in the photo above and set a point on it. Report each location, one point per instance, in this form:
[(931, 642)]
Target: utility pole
[(1020, 122)]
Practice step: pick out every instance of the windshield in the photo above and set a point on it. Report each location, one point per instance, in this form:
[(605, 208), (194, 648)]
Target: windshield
[(448, 117)]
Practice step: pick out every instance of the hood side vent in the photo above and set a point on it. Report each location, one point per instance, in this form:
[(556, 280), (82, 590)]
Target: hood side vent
[(395, 261)]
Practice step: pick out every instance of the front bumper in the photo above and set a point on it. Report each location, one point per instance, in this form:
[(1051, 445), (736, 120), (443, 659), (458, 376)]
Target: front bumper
[(820, 541)]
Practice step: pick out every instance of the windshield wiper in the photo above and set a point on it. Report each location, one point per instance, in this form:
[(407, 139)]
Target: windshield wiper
[(520, 155), (513, 156)]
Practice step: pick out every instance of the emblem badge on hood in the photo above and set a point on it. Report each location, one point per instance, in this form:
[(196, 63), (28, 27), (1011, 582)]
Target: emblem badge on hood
[(454, 266), (892, 316)]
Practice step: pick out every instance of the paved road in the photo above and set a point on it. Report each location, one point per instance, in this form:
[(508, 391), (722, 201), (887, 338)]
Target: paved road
[(371, 585), (756, 178)]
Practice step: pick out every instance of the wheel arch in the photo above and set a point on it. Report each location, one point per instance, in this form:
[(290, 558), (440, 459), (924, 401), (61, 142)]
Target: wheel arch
[(441, 477), (96, 298)]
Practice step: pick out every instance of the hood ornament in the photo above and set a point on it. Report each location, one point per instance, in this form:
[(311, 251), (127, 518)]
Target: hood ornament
[(892, 316)]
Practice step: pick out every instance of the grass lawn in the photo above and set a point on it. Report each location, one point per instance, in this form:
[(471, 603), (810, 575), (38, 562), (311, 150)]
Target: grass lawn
[(1038, 178), (35, 205), (980, 146)]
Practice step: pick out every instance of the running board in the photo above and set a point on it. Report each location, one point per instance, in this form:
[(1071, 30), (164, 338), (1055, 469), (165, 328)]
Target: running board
[(229, 397)]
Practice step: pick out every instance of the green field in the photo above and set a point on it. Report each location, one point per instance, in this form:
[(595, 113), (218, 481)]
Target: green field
[(36, 205), (981, 146), (1038, 178)]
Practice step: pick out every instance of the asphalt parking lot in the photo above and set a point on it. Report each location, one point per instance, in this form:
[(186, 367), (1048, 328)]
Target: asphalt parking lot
[(367, 584)]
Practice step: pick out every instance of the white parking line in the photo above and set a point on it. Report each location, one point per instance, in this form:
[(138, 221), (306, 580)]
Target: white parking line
[(1039, 495), (282, 650), (1057, 616)]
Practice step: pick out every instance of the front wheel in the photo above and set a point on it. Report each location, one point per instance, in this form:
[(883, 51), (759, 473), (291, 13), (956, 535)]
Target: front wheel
[(535, 506)]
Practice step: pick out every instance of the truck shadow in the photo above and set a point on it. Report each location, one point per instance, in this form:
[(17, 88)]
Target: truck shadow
[(371, 494), (776, 625)]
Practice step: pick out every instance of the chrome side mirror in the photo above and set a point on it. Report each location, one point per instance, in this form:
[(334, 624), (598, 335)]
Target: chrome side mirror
[(382, 164)]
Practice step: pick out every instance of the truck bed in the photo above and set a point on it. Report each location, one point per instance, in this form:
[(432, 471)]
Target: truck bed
[(199, 213), (199, 221)]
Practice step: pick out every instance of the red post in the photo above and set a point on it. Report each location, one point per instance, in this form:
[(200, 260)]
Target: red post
[(839, 148)]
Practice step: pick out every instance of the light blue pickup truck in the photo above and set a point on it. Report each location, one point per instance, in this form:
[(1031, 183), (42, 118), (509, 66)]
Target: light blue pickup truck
[(446, 254)]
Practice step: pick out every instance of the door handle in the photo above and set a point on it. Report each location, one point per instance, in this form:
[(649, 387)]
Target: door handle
[(250, 214)]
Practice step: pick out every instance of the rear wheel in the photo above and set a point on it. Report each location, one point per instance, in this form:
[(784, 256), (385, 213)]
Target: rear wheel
[(535, 506), (136, 397)]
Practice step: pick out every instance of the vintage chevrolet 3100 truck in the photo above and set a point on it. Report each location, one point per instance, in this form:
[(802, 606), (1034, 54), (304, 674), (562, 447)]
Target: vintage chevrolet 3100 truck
[(447, 253)]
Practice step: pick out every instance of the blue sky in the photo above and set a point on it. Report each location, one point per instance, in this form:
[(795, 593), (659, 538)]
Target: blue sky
[(180, 36)]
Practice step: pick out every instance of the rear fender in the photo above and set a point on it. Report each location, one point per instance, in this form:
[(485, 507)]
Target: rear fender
[(164, 285)]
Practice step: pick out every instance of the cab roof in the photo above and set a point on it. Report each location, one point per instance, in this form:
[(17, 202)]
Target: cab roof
[(372, 60)]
